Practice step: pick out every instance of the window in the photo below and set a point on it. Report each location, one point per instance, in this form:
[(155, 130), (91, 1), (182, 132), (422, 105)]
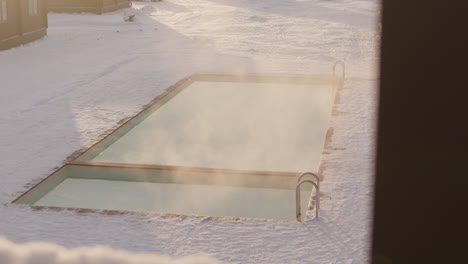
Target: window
[(3, 11), (32, 7)]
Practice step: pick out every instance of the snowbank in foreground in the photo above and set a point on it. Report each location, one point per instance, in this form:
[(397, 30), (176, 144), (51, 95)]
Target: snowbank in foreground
[(40, 252)]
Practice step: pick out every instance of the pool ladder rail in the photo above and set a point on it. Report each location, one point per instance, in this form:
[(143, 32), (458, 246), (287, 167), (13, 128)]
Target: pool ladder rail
[(316, 184), (343, 69), (316, 181)]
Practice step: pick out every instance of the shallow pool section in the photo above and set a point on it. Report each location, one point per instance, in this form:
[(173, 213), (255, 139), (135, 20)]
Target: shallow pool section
[(167, 191)]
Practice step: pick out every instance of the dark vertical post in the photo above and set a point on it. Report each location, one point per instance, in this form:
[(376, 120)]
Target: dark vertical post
[(422, 157)]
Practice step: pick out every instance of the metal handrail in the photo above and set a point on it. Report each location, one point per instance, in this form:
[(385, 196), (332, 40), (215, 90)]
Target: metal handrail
[(316, 177), (343, 69), (311, 174), (298, 198)]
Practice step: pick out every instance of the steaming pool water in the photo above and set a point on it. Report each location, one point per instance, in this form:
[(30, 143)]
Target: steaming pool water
[(213, 145)]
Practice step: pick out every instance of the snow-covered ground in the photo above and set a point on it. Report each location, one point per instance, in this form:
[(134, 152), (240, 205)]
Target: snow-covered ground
[(48, 253), (60, 94)]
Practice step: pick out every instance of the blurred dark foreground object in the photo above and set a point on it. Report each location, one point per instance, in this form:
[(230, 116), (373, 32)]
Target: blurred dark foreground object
[(421, 173)]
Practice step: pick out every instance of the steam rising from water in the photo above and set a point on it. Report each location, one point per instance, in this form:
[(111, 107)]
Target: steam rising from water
[(243, 126), (225, 125)]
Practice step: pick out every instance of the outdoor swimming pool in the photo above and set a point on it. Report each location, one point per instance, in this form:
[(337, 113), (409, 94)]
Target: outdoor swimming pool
[(213, 145)]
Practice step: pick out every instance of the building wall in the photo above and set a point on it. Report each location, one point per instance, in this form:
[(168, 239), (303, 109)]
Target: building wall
[(26, 21), (116, 4), (112, 5), (90, 6), (10, 27), (74, 6), (113, 2), (33, 18)]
